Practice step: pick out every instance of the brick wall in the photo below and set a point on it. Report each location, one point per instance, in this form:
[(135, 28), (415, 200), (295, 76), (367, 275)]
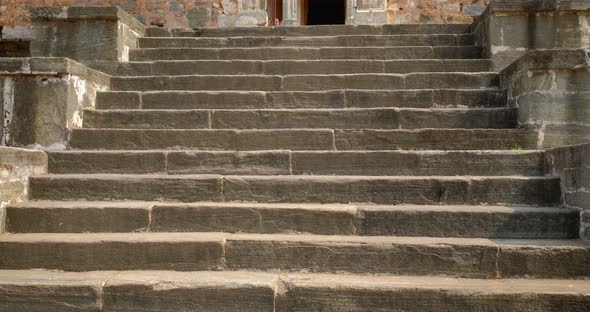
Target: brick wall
[(199, 13)]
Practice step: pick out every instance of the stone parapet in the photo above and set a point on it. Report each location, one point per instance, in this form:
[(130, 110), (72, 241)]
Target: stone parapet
[(43, 98), (551, 89), (84, 34), (508, 28), (572, 164)]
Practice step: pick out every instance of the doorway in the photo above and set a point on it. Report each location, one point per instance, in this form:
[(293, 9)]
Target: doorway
[(275, 12), (324, 12)]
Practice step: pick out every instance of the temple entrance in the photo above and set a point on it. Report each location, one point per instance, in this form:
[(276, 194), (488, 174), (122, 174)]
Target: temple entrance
[(324, 12)]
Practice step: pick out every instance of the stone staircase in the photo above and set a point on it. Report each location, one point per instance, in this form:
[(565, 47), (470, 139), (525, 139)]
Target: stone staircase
[(329, 168)]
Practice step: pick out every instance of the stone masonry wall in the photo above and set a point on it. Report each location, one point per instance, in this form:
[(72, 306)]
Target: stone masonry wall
[(572, 164), (551, 89), (213, 13), (16, 165), (42, 98)]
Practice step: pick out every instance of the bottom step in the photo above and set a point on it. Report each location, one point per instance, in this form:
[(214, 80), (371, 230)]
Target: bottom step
[(33, 291)]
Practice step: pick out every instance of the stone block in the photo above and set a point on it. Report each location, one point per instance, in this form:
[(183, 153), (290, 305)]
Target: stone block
[(529, 190), (208, 291), (439, 139), (84, 33), (554, 107), (331, 119), (545, 259), (126, 187), (147, 119), (203, 99), (119, 139), (451, 80), (468, 221), (286, 139), (77, 217), (471, 118), (341, 292), (345, 189), (20, 296), (358, 254), (556, 135), (352, 81), (389, 98), (378, 163), (98, 252), (118, 100), (264, 162), (47, 99), (302, 99), (469, 98), (255, 218), (16, 166), (106, 162)]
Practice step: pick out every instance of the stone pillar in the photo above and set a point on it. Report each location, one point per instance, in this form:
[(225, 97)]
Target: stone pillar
[(291, 13), (84, 34), (42, 98), (551, 89), (508, 28)]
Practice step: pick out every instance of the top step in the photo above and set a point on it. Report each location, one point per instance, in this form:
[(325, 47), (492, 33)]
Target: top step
[(317, 30)]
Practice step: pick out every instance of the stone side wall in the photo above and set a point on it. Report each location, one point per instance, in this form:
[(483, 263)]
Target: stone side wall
[(42, 98), (213, 13), (509, 28), (16, 165), (551, 89), (572, 164)]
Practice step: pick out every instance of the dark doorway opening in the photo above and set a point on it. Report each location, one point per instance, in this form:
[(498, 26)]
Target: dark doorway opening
[(275, 12), (325, 12)]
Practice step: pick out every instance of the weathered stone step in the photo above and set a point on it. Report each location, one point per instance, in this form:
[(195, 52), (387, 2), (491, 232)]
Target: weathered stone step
[(283, 67), (300, 53), (308, 82), (440, 98), (300, 189), (331, 219), (317, 30), (313, 41), (341, 292), (378, 163), (458, 257), (349, 118), (303, 139), (41, 290)]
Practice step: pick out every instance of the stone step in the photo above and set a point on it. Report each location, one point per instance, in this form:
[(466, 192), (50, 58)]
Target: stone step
[(307, 53), (282, 162), (456, 257), (310, 41), (304, 139), (317, 30), (41, 290), (284, 67), (308, 82), (331, 219), (348, 118), (440, 98), (300, 189)]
